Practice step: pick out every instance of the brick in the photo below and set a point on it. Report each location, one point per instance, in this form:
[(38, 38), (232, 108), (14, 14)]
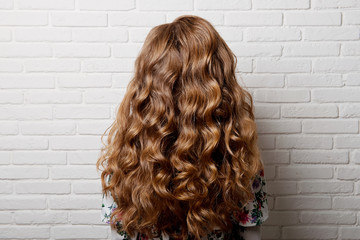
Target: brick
[(93, 127), (17, 18), (76, 203), (6, 217), (78, 19), (84, 80), (135, 19), (352, 79), (43, 187), (324, 217), (42, 35), (138, 34), (350, 49), (331, 34), (11, 66), (88, 187), (282, 218), (222, 5), (348, 173), (9, 128), (350, 232), (319, 156), (270, 232), (49, 96), (126, 50), (5, 35), (303, 203), (282, 95), (104, 96), (53, 65), (40, 217), (351, 17), (347, 141), (76, 112), (281, 188), (25, 50), (11, 97), (283, 66), (83, 157), (23, 143), (23, 172), (272, 34), (255, 49), (6, 4), (216, 18), (320, 4), (25, 113), (275, 157), (269, 172), (75, 143), (24, 232), (244, 65), (336, 95), (46, 4), (312, 18), (309, 111), (5, 158), (108, 65), (311, 49), (271, 202), (330, 126), (166, 5), (22, 203), (281, 4), (314, 80), (325, 187), (336, 65), (77, 232), (259, 18), (267, 111), (266, 142), (74, 172), (230, 34), (81, 50), (39, 158), (314, 172), (278, 126), (6, 187), (355, 157), (349, 110), (81, 217), (307, 232), (106, 5), (30, 81), (344, 202), (100, 35), (121, 80)]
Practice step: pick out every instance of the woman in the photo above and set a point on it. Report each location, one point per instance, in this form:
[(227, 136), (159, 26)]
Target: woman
[(181, 159)]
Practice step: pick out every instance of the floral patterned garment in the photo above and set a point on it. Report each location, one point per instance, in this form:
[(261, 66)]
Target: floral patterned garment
[(253, 214)]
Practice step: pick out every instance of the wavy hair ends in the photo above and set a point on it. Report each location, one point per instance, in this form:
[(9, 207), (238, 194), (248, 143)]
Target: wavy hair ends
[(182, 152)]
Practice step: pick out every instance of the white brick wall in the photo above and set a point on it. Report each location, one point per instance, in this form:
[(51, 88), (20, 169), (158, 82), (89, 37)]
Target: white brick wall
[(65, 65)]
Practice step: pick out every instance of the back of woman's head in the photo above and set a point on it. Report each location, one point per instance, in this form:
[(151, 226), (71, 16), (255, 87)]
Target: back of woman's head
[(182, 152)]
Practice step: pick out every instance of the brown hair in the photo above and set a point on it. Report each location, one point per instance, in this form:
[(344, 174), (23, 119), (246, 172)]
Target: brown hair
[(182, 151)]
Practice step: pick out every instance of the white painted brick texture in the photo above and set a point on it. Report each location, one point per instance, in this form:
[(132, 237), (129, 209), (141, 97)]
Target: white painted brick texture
[(65, 66)]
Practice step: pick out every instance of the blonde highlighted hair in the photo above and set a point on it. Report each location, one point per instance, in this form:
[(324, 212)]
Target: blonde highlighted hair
[(182, 152)]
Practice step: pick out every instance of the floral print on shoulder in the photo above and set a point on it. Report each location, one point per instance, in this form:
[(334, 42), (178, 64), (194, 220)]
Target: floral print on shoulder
[(255, 212)]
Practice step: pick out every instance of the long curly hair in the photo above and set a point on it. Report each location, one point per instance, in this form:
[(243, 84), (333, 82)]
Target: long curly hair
[(182, 152)]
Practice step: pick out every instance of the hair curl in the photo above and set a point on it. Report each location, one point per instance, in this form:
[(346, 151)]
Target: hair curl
[(182, 151)]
